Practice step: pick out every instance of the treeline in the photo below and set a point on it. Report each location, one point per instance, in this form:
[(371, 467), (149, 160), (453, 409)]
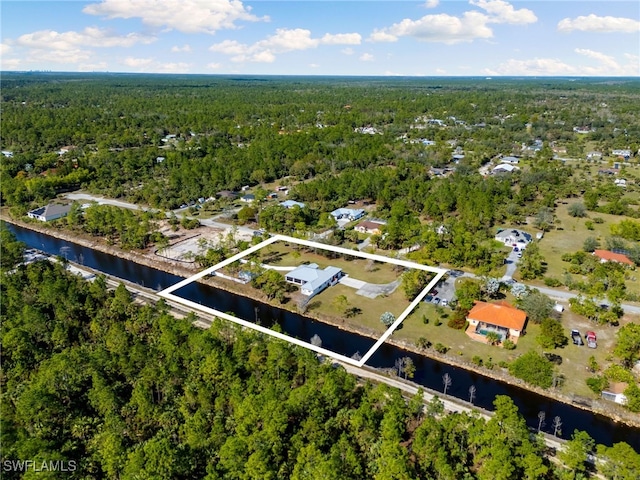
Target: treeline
[(230, 132), (128, 391)]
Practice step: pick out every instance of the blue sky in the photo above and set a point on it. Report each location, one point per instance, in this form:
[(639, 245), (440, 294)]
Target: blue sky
[(310, 37)]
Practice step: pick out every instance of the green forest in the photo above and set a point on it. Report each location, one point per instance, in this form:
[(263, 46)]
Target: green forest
[(166, 141), (127, 391)]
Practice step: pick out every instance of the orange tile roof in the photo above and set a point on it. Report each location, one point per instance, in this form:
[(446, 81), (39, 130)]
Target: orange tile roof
[(498, 314), (612, 257)]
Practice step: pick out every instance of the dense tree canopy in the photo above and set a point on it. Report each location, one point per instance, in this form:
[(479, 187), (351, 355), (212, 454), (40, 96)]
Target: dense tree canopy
[(127, 390)]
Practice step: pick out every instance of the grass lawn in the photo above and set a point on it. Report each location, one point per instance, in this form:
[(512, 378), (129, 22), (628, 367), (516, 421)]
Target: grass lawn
[(570, 238), (281, 255), (369, 319)]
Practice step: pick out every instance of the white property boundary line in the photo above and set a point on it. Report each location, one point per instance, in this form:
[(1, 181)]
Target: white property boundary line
[(167, 293)]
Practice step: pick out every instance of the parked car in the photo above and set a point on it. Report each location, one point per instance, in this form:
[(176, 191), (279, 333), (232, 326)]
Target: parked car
[(435, 301), (516, 249), (444, 302), (591, 339), (428, 298), (577, 339), (434, 292)]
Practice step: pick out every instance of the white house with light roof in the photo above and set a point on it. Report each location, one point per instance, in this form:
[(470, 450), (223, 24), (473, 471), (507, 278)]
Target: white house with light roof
[(312, 280)]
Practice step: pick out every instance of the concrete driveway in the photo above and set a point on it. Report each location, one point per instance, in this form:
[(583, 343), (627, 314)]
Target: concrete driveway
[(512, 264), (347, 281)]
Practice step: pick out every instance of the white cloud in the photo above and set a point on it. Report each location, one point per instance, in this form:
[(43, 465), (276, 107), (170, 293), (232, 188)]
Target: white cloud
[(288, 39), (230, 47), (594, 24), (314, 65), (383, 36), (188, 16), (186, 48), (438, 28), (89, 37), (137, 62), (151, 65), (348, 51), (450, 29), (11, 63), (535, 66), (341, 39), (261, 57), (604, 65), (441, 71), (4, 48), (214, 66), (605, 60), (366, 57), (431, 3), (503, 12), (284, 40), (74, 55)]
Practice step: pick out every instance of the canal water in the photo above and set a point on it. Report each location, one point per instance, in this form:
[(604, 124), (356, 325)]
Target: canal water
[(428, 372)]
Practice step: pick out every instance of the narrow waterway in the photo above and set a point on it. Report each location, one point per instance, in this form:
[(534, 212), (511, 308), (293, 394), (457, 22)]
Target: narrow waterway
[(429, 372)]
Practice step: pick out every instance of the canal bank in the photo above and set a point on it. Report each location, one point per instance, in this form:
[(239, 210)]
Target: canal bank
[(429, 373)]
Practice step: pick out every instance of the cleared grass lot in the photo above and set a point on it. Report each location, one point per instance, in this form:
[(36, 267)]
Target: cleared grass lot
[(370, 271)]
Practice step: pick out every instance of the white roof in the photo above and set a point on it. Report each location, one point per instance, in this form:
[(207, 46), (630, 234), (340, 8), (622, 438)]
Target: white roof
[(312, 276), (347, 211), (292, 203), (504, 167)]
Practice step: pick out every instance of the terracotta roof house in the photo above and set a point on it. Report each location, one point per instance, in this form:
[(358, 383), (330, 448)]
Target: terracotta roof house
[(49, 212), (607, 256), (501, 318)]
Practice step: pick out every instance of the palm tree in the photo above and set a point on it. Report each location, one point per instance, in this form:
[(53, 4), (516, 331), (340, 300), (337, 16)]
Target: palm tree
[(493, 338)]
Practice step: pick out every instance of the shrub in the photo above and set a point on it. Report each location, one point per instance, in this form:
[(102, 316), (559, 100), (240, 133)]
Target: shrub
[(423, 343), (457, 322), (597, 384), (503, 364), (425, 319), (477, 360), (598, 220), (552, 282), (589, 225), (577, 210), (533, 368), (508, 345), (387, 319), (440, 348), (437, 322)]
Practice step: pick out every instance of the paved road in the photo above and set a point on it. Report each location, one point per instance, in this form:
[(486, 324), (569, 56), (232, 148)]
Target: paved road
[(103, 201), (512, 264), (564, 296)]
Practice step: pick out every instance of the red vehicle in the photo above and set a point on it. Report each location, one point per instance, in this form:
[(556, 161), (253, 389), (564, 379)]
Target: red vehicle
[(591, 339)]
